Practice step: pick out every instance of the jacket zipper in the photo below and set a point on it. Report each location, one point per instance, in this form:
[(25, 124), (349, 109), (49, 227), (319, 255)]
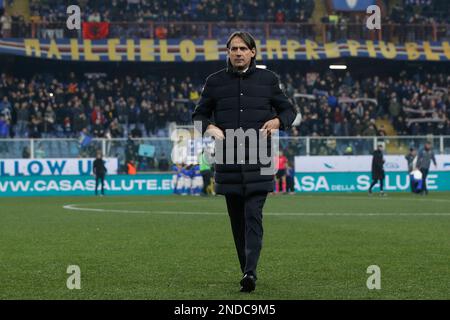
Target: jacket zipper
[(239, 102)]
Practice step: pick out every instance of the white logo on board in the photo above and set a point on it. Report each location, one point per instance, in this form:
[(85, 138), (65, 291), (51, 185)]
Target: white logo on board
[(351, 3)]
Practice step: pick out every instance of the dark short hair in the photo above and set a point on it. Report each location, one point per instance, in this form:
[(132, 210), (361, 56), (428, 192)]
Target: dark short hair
[(245, 36)]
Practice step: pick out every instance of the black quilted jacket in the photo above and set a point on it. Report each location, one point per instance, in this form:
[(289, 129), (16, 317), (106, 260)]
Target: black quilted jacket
[(231, 100)]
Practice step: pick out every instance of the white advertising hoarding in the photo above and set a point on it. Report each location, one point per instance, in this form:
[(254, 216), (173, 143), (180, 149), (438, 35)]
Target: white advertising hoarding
[(360, 163), (54, 166)]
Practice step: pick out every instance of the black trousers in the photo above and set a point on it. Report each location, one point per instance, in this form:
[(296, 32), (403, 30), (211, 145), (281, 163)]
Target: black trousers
[(375, 178), (206, 175), (424, 179), (290, 184), (246, 223), (374, 182), (100, 178)]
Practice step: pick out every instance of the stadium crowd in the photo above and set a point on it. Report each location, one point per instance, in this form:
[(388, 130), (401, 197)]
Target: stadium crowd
[(406, 12), (131, 18), (115, 107), (420, 11), (176, 10), (411, 20), (343, 106), (111, 107)]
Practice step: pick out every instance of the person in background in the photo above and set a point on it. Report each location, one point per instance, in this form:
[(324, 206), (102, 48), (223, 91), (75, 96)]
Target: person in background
[(197, 180), (6, 23), (39, 153), (85, 140), (177, 178), (186, 178), (377, 169), (280, 176), (4, 127), (26, 153), (426, 155), (4, 133), (290, 176), (348, 151), (99, 170), (131, 167), (163, 163), (205, 171), (411, 166)]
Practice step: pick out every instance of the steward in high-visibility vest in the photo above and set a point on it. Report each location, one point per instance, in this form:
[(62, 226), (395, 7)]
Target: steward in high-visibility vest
[(131, 168)]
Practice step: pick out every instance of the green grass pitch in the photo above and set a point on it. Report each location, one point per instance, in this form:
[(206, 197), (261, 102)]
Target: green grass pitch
[(174, 247)]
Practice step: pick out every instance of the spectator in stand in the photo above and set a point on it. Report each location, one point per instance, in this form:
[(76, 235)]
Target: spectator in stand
[(4, 133), (49, 121), (98, 129), (97, 114), (116, 129), (4, 127), (5, 24), (85, 142), (133, 114), (5, 106), (94, 17), (23, 115), (26, 153)]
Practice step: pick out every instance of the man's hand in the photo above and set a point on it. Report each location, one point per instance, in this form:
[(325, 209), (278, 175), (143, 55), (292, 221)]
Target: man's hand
[(270, 125), (215, 132)]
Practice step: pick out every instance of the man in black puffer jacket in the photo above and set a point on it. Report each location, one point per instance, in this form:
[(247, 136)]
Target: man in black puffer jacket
[(243, 98)]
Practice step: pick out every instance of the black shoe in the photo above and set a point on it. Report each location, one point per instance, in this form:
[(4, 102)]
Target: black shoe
[(248, 283)]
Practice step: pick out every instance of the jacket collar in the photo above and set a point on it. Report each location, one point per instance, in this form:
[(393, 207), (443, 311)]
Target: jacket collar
[(232, 70)]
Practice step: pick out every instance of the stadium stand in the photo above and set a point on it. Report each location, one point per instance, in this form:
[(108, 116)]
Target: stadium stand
[(176, 10), (406, 20), (415, 104), (38, 107), (111, 104)]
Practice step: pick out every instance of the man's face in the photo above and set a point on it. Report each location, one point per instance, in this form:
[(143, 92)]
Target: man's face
[(240, 55)]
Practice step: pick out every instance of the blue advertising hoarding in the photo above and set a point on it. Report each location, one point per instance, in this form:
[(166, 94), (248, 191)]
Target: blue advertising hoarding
[(73, 185), (360, 181), (162, 184), (352, 5)]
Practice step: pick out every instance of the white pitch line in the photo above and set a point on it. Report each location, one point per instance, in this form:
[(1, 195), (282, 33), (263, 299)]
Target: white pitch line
[(75, 208), (375, 196), (72, 207)]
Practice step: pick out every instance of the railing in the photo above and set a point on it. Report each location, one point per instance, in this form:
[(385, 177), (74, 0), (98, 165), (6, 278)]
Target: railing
[(324, 32), (125, 149)]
